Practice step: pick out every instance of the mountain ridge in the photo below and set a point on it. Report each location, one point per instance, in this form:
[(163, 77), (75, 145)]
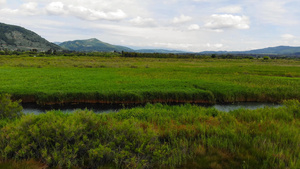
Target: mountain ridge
[(277, 50), (92, 45), (18, 38)]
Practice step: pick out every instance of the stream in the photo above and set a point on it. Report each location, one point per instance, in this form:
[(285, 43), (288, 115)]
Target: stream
[(100, 108)]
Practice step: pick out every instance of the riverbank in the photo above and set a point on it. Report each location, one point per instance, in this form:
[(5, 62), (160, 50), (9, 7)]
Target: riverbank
[(156, 136), (117, 80)]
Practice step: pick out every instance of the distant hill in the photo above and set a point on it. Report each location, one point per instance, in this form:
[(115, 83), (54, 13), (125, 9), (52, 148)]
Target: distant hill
[(18, 38), (57, 43), (279, 50), (93, 45), (159, 51)]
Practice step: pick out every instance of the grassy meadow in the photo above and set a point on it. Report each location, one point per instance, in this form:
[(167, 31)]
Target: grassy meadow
[(61, 79)]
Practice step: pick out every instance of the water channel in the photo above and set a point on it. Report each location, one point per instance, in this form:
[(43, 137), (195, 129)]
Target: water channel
[(100, 108)]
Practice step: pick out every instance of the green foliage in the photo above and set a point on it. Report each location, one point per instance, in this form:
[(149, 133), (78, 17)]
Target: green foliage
[(9, 109), (157, 136)]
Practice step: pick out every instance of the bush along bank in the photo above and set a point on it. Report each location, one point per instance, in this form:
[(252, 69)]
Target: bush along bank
[(158, 136)]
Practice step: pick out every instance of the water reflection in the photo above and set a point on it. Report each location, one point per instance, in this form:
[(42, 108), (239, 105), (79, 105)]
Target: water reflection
[(102, 108), (245, 105)]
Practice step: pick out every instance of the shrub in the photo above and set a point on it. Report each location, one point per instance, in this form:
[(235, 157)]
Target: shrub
[(8, 108), (266, 58)]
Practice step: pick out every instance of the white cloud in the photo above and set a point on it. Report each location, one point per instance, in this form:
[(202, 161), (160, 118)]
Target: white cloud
[(226, 21), (276, 12), (182, 46), (56, 8), (287, 37), (182, 24), (90, 14), (218, 45), (103, 9), (272, 11), (59, 8), (143, 22), (193, 27), (2, 2), (7, 11), (182, 19), (30, 8), (230, 9)]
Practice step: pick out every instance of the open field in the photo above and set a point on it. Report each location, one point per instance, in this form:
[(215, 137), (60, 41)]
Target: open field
[(155, 136), (48, 80)]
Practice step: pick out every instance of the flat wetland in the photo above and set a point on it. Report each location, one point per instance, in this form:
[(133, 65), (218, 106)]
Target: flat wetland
[(155, 135), (57, 80)]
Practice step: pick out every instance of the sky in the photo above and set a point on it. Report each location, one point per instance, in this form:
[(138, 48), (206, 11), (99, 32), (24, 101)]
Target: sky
[(189, 25)]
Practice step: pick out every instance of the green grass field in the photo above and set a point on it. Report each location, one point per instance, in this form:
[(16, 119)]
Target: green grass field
[(47, 80)]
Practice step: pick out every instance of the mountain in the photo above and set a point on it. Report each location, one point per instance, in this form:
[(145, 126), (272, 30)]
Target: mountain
[(159, 51), (278, 50), (17, 38), (57, 43), (93, 45)]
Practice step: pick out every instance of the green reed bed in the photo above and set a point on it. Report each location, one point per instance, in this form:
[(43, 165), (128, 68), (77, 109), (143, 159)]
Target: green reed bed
[(48, 80), (157, 136)]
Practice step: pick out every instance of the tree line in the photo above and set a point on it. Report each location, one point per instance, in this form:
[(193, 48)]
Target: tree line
[(53, 52)]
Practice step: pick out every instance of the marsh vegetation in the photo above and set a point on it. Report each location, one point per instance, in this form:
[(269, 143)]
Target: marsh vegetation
[(49, 80), (157, 135)]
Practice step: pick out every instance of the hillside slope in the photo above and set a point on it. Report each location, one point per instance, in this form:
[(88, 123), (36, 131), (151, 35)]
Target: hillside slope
[(278, 50), (17, 38), (93, 45)]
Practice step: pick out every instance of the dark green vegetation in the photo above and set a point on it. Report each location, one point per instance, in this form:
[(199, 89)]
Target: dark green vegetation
[(18, 38), (48, 80), (155, 136), (92, 45)]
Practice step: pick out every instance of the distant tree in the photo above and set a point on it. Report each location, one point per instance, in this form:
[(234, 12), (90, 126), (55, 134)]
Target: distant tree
[(266, 58)]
